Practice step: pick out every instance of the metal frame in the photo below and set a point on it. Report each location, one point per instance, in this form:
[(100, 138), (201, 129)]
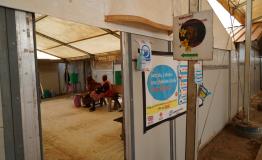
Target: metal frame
[(5, 90), (257, 19), (38, 91), (10, 86), (172, 125), (230, 86), (247, 59), (128, 96)]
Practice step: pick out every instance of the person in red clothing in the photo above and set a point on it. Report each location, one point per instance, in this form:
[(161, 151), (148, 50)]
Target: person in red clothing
[(91, 86), (104, 91)]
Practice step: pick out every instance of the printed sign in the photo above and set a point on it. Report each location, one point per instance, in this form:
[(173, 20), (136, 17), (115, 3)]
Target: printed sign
[(161, 90), (182, 82), (203, 92), (144, 56), (198, 74), (193, 36)]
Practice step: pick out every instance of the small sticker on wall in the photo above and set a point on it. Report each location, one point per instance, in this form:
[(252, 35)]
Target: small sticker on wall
[(144, 56)]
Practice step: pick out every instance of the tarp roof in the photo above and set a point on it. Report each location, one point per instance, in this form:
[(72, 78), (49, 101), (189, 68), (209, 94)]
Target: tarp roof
[(67, 40), (238, 33), (238, 9)]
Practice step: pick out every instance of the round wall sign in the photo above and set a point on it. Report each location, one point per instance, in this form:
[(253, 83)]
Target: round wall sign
[(162, 82)]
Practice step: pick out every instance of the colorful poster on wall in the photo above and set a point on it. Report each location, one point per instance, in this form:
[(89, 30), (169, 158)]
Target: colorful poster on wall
[(182, 82), (198, 73), (162, 87)]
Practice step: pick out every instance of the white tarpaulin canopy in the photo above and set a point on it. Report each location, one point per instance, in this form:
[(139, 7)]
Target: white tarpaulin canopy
[(238, 9), (152, 18), (66, 39)]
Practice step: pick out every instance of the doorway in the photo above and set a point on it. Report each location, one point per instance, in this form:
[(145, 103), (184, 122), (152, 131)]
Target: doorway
[(68, 53)]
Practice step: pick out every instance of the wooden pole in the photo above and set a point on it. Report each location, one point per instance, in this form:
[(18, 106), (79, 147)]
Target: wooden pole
[(191, 119)]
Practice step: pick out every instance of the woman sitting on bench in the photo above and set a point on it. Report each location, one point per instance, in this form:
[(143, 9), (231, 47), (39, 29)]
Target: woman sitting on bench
[(91, 86), (104, 91)]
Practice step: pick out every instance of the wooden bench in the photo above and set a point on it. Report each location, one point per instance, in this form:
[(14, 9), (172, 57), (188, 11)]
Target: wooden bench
[(116, 89)]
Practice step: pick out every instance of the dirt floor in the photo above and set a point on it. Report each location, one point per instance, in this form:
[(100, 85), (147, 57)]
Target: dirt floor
[(71, 133), (230, 146)]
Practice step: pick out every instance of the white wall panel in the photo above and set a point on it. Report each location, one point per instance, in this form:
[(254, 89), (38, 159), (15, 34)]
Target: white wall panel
[(217, 81), (155, 143), (234, 83), (49, 78), (180, 138), (255, 74)]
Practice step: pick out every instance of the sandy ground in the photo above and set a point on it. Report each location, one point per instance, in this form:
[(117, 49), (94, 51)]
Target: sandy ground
[(230, 146), (71, 133)]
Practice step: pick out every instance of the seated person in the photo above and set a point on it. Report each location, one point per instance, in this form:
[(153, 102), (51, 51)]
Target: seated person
[(104, 91), (91, 86)]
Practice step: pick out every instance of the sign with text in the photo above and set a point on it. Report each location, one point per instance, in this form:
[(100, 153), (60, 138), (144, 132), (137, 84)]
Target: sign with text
[(182, 82), (198, 73), (193, 36), (162, 86)]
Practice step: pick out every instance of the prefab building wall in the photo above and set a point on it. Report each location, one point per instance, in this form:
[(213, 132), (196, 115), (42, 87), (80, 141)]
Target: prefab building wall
[(49, 76), (52, 75), (100, 68), (167, 141), (255, 72)]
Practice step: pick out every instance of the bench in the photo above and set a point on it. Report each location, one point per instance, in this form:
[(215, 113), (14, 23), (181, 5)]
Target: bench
[(117, 89)]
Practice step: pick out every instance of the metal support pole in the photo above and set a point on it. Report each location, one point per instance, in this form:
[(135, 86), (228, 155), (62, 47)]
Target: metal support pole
[(247, 60), (127, 67)]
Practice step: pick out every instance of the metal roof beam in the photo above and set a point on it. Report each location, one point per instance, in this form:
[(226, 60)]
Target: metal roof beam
[(40, 18), (83, 39), (240, 4), (257, 19), (229, 5), (111, 32), (62, 43)]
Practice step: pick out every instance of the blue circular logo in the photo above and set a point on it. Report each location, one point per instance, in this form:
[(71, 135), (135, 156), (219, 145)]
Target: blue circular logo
[(145, 51), (162, 82)]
